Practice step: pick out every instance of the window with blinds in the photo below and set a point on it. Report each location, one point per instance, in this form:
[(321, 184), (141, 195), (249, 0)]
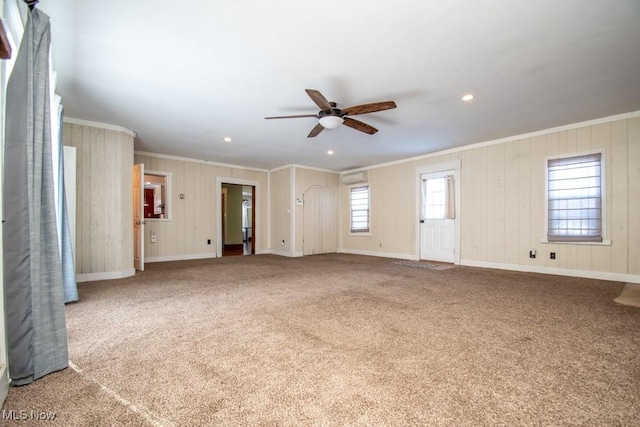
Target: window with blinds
[(359, 198), (575, 199)]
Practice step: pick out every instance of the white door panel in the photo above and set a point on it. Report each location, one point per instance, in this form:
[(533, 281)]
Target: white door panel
[(437, 234), (437, 240)]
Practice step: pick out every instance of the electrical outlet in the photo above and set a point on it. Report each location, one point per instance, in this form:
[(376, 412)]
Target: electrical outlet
[(282, 244), (532, 254), (552, 255)]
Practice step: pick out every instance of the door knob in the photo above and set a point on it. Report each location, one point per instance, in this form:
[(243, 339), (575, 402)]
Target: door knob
[(422, 221)]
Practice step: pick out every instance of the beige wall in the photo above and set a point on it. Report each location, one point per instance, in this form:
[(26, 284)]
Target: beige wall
[(306, 180), (104, 204), (501, 207), (289, 184), (392, 216), (281, 217), (195, 217), (503, 202)]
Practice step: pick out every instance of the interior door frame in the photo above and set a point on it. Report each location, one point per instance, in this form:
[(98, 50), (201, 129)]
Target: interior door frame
[(257, 227), (455, 166), (138, 217)]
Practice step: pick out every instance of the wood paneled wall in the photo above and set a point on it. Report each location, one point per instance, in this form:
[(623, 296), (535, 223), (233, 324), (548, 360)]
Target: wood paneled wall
[(195, 217), (281, 215), (104, 205), (305, 180), (503, 202), (287, 217)]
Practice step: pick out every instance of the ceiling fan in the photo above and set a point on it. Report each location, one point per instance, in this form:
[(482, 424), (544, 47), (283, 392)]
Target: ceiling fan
[(330, 117)]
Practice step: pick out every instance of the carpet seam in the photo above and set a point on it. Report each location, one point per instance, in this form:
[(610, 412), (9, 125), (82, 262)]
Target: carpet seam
[(146, 414)]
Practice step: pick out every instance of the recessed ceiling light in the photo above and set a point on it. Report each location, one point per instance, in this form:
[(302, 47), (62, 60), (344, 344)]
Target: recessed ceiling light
[(330, 152), (227, 139), (468, 97)]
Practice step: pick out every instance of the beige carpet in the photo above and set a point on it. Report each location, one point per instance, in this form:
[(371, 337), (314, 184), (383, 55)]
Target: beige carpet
[(339, 340), (630, 295)]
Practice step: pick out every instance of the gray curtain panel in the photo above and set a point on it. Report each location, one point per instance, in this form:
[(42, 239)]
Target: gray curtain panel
[(36, 330)]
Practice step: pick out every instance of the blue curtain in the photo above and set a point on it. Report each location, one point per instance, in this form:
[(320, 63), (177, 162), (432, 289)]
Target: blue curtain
[(36, 330)]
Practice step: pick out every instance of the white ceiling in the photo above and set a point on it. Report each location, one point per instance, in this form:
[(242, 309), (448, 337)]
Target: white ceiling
[(185, 74)]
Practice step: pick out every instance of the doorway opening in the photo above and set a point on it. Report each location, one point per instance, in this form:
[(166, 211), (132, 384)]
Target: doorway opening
[(237, 215)]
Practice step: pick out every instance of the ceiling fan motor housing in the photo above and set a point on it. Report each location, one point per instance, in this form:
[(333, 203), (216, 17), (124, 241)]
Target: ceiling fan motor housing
[(332, 112)]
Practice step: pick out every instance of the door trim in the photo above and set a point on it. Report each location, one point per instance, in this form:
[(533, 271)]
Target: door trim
[(455, 166), (257, 227), (138, 217)]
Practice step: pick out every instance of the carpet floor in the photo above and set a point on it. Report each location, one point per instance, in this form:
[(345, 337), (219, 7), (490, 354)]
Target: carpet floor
[(339, 339)]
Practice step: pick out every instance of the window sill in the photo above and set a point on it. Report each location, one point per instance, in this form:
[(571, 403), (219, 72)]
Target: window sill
[(364, 234), (603, 243)]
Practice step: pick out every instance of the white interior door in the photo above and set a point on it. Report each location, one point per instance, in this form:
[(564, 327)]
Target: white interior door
[(437, 213), (138, 217)]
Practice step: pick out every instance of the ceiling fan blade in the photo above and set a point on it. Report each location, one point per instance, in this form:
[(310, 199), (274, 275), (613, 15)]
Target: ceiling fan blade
[(319, 99), (369, 108), (293, 117), (358, 125), (315, 131)]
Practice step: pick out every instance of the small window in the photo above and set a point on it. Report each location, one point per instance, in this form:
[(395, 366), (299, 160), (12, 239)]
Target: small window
[(157, 195), (434, 198), (575, 190), (359, 198)]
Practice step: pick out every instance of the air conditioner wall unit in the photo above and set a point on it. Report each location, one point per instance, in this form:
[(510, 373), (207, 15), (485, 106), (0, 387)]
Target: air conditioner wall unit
[(354, 178)]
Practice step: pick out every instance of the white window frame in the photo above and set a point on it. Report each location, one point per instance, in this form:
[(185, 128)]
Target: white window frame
[(603, 187), (364, 232)]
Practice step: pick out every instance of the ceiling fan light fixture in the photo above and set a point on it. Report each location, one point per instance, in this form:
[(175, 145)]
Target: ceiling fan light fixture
[(331, 122)]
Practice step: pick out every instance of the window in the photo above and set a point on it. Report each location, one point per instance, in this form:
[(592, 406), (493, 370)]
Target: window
[(575, 190), (434, 198), (157, 195), (359, 198)]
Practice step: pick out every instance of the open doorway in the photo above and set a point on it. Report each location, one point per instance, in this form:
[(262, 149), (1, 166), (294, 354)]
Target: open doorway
[(237, 204)]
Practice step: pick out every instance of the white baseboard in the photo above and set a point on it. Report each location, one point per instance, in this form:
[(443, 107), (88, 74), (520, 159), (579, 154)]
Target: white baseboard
[(410, 257), (601, 275), (287, 254), (178, 257), (4, 384), (108, 275)]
